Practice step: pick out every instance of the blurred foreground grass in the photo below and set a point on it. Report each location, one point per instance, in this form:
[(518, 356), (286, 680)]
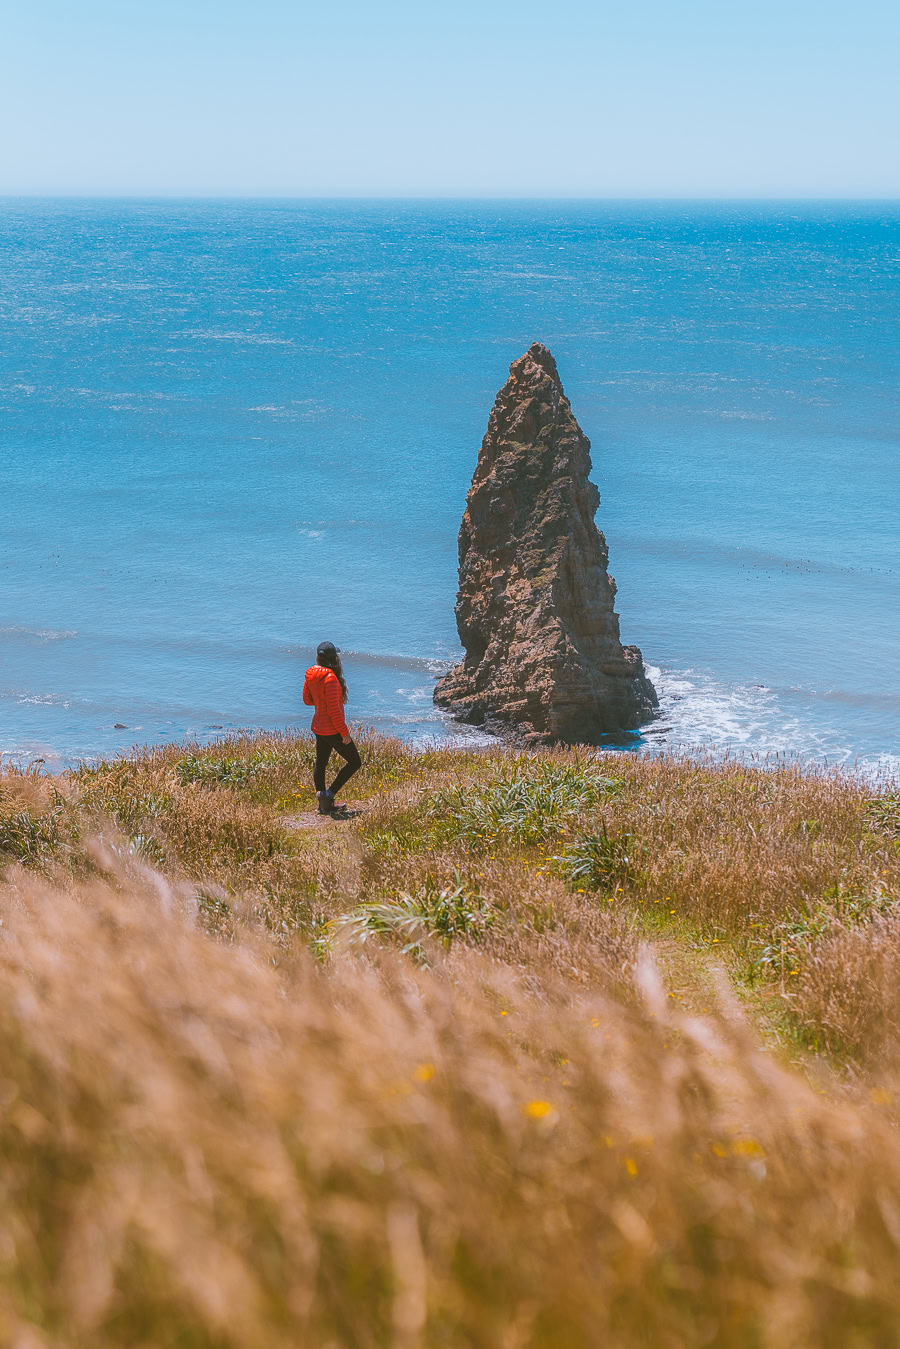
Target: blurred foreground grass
[(538, 1050)]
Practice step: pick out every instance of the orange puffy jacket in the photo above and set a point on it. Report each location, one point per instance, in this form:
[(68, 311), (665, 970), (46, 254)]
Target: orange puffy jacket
[(322, 690)]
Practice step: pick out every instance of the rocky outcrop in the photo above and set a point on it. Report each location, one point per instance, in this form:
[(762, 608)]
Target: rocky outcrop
[(535, 610)]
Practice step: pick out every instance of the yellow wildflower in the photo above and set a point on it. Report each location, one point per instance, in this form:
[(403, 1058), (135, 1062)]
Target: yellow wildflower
[(539, 1109), (747, 1147)]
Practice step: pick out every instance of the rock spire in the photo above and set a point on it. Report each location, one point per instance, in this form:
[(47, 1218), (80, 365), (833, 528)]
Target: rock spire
[(535, 610)]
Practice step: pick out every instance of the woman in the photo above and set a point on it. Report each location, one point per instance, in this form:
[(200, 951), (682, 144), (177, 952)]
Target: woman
[(325, 689)]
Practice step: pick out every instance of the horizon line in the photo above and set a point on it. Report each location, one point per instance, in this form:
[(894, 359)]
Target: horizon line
[(430, 197)]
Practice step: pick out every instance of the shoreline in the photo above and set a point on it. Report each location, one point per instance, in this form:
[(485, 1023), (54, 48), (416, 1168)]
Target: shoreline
[(698, 715), (881, 776)]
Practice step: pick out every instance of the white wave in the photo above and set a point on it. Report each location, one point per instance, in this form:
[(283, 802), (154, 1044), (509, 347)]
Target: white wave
[(253, 339), (41, 699), (299, 410), (416, 696), (452, 734), (31, 752), (38, 634), (435, 665), (281, 413), (697, 711), (125, 400), (458, 736), (739, 416), (882, 770)]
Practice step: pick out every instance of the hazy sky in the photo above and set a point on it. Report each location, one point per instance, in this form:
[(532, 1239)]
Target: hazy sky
[(451, 97)]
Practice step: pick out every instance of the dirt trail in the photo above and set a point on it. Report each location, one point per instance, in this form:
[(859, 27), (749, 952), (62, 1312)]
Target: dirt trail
[(690, 976), (311, 819)]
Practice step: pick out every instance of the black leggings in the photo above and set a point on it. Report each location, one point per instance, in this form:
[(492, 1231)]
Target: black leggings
[(324, 745)]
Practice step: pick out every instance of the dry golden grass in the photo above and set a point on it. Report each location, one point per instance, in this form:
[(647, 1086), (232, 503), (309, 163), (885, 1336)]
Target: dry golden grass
[(848, 991), (235, 1113), (760, 864), (203, 1149)]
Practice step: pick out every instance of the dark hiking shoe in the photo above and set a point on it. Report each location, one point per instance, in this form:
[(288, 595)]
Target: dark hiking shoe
[(326, 803)]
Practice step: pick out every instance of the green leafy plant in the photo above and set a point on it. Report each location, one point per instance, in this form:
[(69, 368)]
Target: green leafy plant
[(532, 805), (216, 772), (29, 838), (411, 918), (788, 943), (596, 860), (148, 849), (883, 813)]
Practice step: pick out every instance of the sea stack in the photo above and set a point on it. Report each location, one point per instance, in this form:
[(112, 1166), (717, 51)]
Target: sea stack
[(535, 610)]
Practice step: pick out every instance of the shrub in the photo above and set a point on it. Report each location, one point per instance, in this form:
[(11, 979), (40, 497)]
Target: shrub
[(884, 813), (596, 860), (31, 816), (410, 919), (530, 803), (30, 838), (225, 771), (790, 944)]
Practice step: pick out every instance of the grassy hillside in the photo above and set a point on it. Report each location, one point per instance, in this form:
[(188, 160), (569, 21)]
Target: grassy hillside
[(553, 1050)]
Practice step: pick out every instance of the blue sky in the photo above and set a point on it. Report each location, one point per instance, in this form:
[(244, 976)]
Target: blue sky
[(470, 98)]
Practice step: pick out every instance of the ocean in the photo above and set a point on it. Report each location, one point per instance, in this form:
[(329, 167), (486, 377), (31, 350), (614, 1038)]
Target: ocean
[(231, 429)]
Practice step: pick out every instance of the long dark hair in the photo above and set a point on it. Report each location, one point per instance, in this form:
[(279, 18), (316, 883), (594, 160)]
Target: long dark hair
[(332, 661)]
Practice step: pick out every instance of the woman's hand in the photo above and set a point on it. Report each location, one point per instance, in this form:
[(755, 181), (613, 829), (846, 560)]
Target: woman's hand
[(348, 740)]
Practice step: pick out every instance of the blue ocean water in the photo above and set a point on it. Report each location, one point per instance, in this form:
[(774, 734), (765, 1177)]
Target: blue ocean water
[(230, 429)]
